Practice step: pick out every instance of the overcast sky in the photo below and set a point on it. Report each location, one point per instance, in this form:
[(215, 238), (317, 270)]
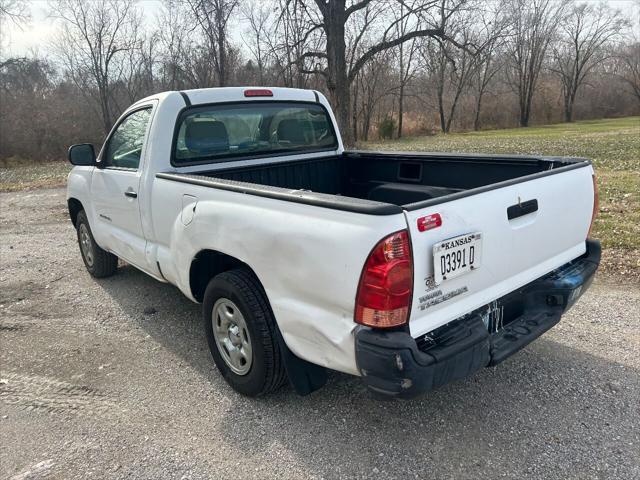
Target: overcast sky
[(41, 30), (38, 34)]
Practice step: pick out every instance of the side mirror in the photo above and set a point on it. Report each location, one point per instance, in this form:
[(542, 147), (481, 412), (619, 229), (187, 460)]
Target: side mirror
[(82, 155)]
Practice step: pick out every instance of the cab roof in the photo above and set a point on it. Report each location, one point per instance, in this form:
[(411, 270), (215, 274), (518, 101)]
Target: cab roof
[(237, 94)]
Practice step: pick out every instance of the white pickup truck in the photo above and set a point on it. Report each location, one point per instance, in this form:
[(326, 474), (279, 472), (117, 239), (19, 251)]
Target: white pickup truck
[(408, 270)]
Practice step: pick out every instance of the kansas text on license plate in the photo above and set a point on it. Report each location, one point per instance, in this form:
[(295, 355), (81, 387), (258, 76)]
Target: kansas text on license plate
[(456, 256)]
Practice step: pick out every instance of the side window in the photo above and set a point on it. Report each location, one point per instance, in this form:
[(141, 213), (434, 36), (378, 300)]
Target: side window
[(125, 145)]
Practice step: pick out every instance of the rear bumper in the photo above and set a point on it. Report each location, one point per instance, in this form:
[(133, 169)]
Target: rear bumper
[(394, 364)]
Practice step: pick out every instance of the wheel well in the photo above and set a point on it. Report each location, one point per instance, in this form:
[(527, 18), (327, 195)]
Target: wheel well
[(206, 265), (75, 207), (305, 376)]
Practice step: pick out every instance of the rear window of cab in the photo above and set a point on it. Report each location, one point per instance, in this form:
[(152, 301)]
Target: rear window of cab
[(222, 132)]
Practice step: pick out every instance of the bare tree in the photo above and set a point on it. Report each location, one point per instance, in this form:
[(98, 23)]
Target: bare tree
[(450, 70), (487, 67), (331, 60), (93, 42), (586, 30), (296, 27), (627, 67), (213, 17), (534, 27), (139, 70), (17, 11), (406, 56), (370, 88), (259, 18), (187, 59), (175, 46), (25, 85), (494, 29)]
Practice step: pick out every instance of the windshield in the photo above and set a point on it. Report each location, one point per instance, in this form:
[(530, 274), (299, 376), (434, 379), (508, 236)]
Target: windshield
[(217, 132)]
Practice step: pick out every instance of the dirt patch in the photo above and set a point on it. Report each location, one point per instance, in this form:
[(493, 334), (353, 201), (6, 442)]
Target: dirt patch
[(32, 392)]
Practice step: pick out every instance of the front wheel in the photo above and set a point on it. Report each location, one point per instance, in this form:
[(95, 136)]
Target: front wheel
[(99, 262), (241, 332)]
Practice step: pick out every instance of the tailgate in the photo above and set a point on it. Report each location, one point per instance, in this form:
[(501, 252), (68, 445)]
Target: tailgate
[(514, 251)]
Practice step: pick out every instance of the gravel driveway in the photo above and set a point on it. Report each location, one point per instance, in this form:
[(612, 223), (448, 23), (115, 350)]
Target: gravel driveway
[(113, 379)]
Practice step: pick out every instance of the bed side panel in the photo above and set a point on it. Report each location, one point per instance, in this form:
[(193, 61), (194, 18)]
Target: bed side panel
[(308, 258)]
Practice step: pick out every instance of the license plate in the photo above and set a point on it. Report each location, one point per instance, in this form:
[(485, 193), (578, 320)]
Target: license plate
[(456, 256)]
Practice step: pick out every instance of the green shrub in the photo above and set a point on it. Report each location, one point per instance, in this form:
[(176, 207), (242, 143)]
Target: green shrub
[(387, 127)]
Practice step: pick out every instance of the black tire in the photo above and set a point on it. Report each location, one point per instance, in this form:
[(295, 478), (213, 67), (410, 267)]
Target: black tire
[(101, 263), (266, 372)]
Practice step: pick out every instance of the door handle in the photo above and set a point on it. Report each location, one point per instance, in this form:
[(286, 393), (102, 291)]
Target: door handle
[(522, 209), (130, 194)]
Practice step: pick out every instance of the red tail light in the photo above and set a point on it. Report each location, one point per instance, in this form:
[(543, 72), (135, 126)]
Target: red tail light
[(258, 92), (596, 204), (386, 283)]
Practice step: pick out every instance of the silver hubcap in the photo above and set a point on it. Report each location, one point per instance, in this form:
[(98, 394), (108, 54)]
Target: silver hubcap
[(85, 244), (232, 336)]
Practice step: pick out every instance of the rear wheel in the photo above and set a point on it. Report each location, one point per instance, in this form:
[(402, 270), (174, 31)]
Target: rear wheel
[(99, 262), (240, 330)]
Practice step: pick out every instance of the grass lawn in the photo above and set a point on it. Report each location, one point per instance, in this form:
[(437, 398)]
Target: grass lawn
[(612, 144), (18, 174)]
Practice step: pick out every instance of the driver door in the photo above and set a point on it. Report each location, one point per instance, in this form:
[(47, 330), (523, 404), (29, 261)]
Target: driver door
[(114, 189)]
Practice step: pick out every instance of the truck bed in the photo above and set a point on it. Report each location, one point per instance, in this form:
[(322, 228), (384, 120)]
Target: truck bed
[(369, 182)]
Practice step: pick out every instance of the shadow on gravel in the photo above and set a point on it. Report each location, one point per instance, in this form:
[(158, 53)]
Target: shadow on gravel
[(546, 410)]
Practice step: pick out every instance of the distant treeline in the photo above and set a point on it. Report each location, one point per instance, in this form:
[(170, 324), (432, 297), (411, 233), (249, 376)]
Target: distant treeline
[(389, 67)]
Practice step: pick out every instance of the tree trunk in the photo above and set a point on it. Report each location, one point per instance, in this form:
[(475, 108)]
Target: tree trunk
[(525, 111), (454, 106), (476, 119), (401, 96), (450, 119), (260, 68), (400, 109), (569, 101), (443, 123), (443, 120), (354, 109), (366, 125), (337, 78), (568, 114), (222, 59), (105, 107)]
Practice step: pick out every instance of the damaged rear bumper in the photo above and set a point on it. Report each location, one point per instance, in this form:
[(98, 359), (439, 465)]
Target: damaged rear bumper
[(394, 364)]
